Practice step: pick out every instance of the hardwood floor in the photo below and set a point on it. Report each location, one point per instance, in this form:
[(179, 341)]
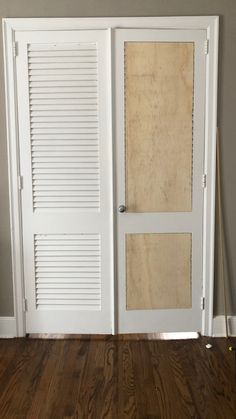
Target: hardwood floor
[(117, 378)]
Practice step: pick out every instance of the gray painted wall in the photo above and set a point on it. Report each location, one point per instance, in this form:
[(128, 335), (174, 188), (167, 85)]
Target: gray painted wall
[(227, 97)]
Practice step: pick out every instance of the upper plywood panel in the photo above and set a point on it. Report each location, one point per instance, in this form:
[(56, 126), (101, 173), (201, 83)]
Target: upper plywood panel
[(158, 126)]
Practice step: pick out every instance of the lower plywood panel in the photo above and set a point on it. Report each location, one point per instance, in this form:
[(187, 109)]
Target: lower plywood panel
[(158, 271)]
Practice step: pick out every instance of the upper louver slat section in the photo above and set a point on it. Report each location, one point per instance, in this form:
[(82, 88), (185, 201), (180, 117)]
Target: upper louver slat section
[(64, 123)]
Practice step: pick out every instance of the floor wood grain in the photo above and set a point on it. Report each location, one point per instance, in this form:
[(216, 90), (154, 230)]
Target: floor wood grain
[(116, 378)]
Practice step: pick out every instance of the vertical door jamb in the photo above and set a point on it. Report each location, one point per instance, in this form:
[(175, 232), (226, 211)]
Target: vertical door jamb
[(14, 173), (210, 172)]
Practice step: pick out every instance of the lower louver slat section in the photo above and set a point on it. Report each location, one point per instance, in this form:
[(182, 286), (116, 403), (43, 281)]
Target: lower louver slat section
[(68, 271)]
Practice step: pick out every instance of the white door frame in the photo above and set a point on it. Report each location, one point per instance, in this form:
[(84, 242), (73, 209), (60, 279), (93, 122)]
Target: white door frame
[(208, 23)]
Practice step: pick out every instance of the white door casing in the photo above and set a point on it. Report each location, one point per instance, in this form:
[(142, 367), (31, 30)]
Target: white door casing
[(17, 31)]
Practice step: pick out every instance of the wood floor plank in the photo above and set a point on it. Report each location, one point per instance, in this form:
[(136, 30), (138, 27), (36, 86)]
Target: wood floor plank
[(222, 384), (60, 381), (212, 389), (40, 401), (8, 354), (188, 407), (144, 382), (24, 375), (127, 402), (227, 357), (194, 376), (108, 396), (53, 391), (112, 378), (92, 380), (168, 394)]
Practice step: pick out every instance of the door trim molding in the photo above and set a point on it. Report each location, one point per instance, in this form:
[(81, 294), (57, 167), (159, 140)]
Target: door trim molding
[(13, 173), (168, 22), (210, 171), (208, 23)]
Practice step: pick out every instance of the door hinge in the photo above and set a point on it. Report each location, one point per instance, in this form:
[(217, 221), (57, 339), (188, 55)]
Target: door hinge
[(25, 305), (206, 47), (202, 303), (15, 49), (204, 180), (20, 182)]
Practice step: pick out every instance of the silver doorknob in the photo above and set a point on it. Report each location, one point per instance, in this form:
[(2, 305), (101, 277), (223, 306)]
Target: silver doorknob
[(122, 208)]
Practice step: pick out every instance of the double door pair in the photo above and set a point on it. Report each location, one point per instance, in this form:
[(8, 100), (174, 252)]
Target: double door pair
[(111, 144)]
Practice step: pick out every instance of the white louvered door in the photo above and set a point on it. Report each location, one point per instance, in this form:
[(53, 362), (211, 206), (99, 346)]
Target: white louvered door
[(65, 160)]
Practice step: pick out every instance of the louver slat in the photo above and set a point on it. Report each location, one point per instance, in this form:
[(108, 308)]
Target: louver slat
[(67, 271), (64, 115)]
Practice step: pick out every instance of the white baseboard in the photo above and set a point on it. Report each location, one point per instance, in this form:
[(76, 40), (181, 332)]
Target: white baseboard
[(7, 327), (219, 326)]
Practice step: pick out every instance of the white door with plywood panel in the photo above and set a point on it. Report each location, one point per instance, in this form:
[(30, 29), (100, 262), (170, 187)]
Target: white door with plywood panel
[(65, 150), (160, 78)]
